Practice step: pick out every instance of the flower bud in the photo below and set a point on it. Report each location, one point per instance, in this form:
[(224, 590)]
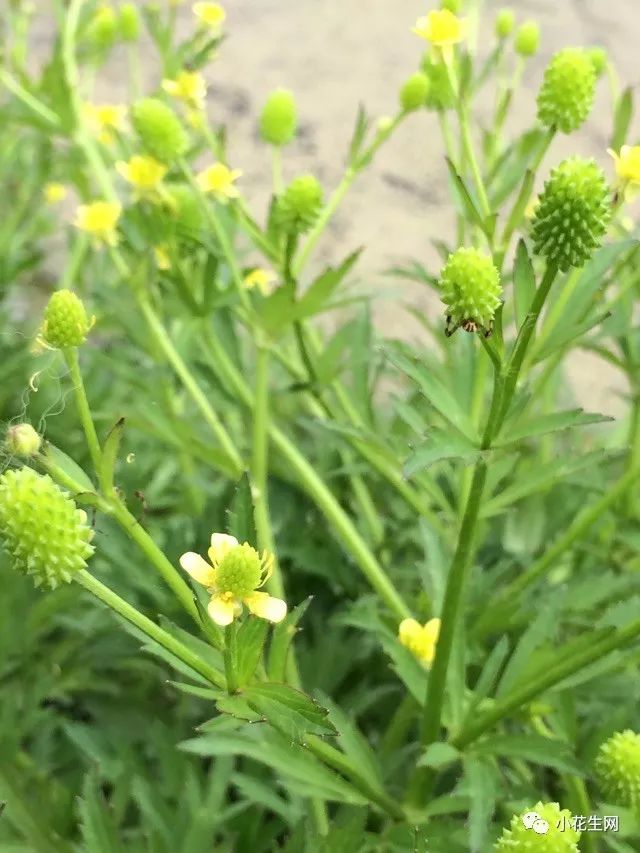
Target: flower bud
[(22, 440), (617, 769), (298, 208), (440, 95), (527, 38), (413, 93), (470, 288), (279, 119), (102, 31), (544, 829), (129, 23), (65, 321), (451, 5), (186, 207), (568, 88), (159, 129), (505, 22), (599, 59), (42, 529), (572, 213)]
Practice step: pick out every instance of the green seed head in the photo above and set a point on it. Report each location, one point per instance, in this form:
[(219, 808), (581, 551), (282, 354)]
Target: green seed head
[(159, 129), (505, 22), (129, 22), (185, 208), (572, 213), (279, 118), (526, 835), (617, 769), (102, 31), (298, 208), (414, 91), (23, 440), (568, 88), (527, 38), (42, 529), (599, 59), (452, 5), (65, 321), (240, 572), (439, 95), (470, 287)]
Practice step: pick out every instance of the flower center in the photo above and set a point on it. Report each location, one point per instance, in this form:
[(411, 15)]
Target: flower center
[(240, 572)]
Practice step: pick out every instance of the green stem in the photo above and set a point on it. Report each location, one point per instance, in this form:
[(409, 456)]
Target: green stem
[(230, 657), (580, 803), (140, 621), (71, 358), (37, 107), (549, 678), (161, 337)]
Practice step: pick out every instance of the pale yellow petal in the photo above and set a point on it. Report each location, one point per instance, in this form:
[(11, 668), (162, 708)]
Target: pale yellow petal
[(221, 544), (198, 568), (408, 630), (431, 630), (222, 610), (264, 605)]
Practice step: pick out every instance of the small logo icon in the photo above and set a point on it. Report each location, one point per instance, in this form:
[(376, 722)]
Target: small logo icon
[(532, 820)]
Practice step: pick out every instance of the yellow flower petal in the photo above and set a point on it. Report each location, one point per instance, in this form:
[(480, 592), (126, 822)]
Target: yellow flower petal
[(627, 164), (262, 279), (54, 192), (222, 610), (212, 15), (198, 568), (188, 86), (441, 27), (219, 180), (99, 218), (431, 630), (221, 544), (142, 171), (264, 605)]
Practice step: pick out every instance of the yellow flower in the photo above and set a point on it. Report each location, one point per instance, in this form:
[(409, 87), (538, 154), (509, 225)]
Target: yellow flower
[(104, 119), (260, 278), (54, 192), (162, 259), (218, 179), (627, 164), (100, 219), (420, 639), (143, 172), (188, 86), (443, 29), (210, 15), (233, 578)]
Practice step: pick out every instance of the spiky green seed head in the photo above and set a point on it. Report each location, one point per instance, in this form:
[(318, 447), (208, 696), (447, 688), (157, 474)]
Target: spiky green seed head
[(42, 529), (129, 22), (568, 89), (299, 206), (414, 91), (505, 22), (185, 207), (470, 287), (527, 39), (240, 572), (572, 213), (279, 118), (65, 321), (451, 5), (22, 440), (599, 60), (102, 30), (544, 829), (617, 769), (159, 130), (440, 95)]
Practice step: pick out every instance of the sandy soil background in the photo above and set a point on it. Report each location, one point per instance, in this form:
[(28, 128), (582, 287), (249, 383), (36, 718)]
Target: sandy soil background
[(335, 54)]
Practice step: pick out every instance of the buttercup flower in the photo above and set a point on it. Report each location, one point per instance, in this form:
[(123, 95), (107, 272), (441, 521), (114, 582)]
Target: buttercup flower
[(159, 129), (65, 323), (104, 119), (443, 29), (544, 829), (470, 288), (100, 219), (420, 639), (145, 173), (617, 768), (627, 164), (54, 192), (211, 15), (262, 279), (233, 578), (188, 86), (219, 180)]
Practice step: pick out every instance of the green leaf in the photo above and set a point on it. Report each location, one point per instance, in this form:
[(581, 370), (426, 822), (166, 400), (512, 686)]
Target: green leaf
[(545, 424), (240, 521), (277, 311), (440, 445), (249, 644), (99, 834), (359, 132), (465, 199), (622, 119), (488, 677), (236, 707), (531, 747), (353, 743), (71, 468), (436, 392), (110, 453), (319, 293), (524, 282), (288, 710), (482, 783), (281, 640), (439, 755)]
